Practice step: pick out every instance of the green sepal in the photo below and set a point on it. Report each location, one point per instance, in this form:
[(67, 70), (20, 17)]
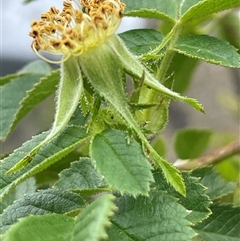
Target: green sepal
[(133, 67), (68, 95)]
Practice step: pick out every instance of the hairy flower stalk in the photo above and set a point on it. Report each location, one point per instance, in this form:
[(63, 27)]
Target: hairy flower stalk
[(84, 34)]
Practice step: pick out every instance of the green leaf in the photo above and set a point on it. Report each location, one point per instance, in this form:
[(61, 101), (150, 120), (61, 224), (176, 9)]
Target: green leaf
[(48, 227), (216, 185), (41, 90), (89, 225), (222, 225), (206, 7), (159, 9), (191, 143), (186, 4), (91, 222), (196, 201), (18, 85), (157, 217), (18, 88), (141, 41), (78, 118), (8, 78), (171, 174), (122, 164), (40, 203), (236, 197), (106, 118), (27, 187), (68, 96), (71, 137), (50, 175), (36, 67), (81, 175), (209, 49)]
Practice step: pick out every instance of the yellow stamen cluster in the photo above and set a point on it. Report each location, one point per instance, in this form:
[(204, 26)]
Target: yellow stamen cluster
[(74, 30)]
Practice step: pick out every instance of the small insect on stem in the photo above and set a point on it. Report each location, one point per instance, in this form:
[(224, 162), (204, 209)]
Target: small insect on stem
[(28, 158), (23, 163)]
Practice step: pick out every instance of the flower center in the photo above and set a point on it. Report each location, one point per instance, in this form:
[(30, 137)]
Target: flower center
[(75, 30)]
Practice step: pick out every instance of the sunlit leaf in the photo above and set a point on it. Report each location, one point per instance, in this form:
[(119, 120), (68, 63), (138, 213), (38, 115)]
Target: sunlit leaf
[(209, 49), (207, 7), (141, 41), (47, 227), (152, 9), (121, 162)]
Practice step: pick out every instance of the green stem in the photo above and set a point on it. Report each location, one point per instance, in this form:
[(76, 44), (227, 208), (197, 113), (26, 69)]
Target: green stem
[(169, 53), (165, 41), (170, 39)]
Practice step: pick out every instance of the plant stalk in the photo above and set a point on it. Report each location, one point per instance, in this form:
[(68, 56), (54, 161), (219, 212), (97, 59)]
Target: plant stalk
[(169, 53), (210, 159)]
